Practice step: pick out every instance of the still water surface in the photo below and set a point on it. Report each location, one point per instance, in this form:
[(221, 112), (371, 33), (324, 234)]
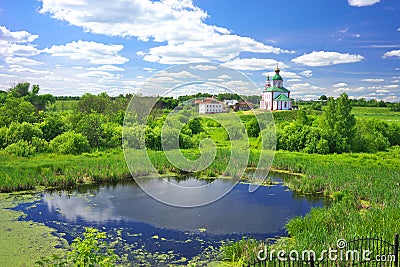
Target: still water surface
[(149, 231)]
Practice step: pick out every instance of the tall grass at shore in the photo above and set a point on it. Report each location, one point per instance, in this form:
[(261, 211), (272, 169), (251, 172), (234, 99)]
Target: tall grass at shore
[(65, 171), (18, 173), (364, 193)]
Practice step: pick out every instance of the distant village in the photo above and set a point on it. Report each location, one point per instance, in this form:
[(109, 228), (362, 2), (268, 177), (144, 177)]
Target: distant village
[(274, 97)]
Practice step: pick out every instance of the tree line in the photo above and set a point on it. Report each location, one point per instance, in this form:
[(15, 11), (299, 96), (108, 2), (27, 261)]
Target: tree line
[(29, 124)]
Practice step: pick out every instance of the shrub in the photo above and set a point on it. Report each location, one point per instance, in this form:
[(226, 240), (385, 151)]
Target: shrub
[(3, 137), (186, 141), (112, 133), (91, 250), (268, 137), (22, 131), (70, 143), (90, 126), (52, 126), (233, 132), (253, 128), (134, 136), (40, 144), (21, 148)]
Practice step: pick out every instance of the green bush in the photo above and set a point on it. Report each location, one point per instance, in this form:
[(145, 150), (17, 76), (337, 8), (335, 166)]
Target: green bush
[(21, 148), (22, 131), (186, 141), (3, 137), (90, 126), (52, 125), (40, 144), (233, 132), (91, 250), (112, 133), (134, 136), (70, 143), (253, 128)]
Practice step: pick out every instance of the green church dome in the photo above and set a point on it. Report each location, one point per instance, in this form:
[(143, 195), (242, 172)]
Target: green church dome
[(277, 77)]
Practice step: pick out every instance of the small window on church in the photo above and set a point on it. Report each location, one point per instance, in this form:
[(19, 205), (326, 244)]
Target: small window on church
[(285, 104)]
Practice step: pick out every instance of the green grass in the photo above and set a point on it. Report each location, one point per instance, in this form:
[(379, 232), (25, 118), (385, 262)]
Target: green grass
[(17, 173), (377, 113), (364, 194), (65, 105)]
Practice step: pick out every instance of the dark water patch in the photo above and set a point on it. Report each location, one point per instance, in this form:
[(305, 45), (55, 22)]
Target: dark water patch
[(146, 230)]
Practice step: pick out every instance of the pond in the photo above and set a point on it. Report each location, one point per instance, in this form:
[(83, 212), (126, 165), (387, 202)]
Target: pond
[(153, 233)]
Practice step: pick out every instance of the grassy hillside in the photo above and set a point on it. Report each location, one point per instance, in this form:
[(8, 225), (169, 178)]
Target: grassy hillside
[(376, 113)]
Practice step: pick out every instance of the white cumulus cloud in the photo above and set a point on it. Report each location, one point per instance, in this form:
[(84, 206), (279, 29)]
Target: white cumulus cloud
[(306, 73), (323, 58), (106, 68), (393, 53), (178, 23), (359, 3), (17, 43), (373, 80), (254, 64), (22, 61), (16, 37), (337, 85), (95, 53)]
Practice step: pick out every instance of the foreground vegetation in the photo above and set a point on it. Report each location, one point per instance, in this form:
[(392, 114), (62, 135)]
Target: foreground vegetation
[(364, 190), (363, 187)]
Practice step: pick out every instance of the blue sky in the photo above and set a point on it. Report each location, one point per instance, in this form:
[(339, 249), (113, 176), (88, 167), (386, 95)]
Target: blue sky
[(322, 47)]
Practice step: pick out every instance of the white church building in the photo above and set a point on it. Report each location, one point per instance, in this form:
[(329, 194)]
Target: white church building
[(275, 97)]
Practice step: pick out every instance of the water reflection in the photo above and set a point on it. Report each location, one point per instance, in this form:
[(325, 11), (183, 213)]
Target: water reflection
[(265, 211)]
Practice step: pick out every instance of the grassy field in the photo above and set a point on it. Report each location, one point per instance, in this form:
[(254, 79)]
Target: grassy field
[(64, 105), (377, 113)]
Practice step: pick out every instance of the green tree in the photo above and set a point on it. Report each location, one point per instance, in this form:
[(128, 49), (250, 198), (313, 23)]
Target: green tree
[(233, 132), (338, 124), (152, 138), (91, 103), (112, 134), (195, 126), (3, 97), (302, 118), (52, 125), (395, 107), (16, 110), (90, 125), (20, 90), (134, 137), (3, 137), (372, 135), (394, 134), (253, 128)]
